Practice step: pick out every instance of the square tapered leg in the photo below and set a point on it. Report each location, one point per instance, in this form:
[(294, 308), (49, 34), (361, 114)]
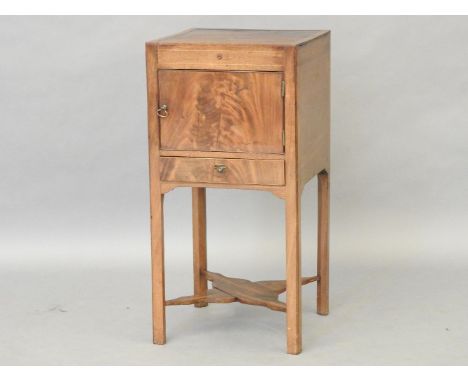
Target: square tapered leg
[(199, 243), (322, 243), (293, 274), (157, 264)]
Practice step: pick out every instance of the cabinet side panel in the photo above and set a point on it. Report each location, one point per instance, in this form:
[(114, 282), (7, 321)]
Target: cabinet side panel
[(313, 107)]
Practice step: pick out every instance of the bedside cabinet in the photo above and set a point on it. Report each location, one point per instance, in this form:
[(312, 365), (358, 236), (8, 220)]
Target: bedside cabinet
[(246, 109)]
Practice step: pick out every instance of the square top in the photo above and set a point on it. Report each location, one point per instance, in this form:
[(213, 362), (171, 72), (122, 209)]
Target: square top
[(243, 37)]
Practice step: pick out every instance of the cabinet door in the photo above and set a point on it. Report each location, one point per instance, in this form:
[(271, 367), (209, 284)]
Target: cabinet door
[(221, 111)]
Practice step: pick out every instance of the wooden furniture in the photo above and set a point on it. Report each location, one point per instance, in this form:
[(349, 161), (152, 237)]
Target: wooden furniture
[(246, 109)]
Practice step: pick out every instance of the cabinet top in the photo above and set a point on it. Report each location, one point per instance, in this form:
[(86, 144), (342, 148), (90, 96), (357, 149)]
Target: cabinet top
[(243, 37)]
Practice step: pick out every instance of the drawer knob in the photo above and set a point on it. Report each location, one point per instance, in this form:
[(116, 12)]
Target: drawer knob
[(220, 168), (162, 111)]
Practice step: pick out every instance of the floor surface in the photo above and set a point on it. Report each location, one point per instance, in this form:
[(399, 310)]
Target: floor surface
[(379, 316)]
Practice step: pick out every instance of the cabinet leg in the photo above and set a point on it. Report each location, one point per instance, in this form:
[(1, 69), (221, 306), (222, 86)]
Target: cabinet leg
[(293, 274), (322, 243), (157, 260), (199, 243)]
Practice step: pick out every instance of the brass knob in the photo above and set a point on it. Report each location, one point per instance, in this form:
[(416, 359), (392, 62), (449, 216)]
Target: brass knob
[(220, 168), (162, 111)]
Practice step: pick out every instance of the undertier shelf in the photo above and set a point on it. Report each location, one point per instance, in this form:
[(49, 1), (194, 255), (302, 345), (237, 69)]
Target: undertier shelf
[(227, 289)]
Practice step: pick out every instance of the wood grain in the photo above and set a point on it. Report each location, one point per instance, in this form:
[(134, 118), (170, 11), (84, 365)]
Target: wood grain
[(279, 191), (237, 171), (322, 243), (247, 292), (229, 289), (211, 296), (221, 111), (313, 108), (199, 243), (220, 57), (279, 286), (249, 37), (293, 213), (223, 89), (156, 202), (219, 154)]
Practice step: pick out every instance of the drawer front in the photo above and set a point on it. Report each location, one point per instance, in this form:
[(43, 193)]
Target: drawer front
[(220, 57), (217, 170), (221, 111)]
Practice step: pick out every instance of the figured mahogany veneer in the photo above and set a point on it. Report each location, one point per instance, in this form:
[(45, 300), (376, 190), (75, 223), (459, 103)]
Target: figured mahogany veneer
[(221, 111), (246, 109), (236, 171)]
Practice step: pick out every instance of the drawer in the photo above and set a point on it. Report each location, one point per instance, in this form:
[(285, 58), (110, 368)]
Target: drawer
[(218, 170), (220, 57)]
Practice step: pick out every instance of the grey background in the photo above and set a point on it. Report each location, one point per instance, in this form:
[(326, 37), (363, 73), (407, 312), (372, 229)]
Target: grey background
[(74, 213)]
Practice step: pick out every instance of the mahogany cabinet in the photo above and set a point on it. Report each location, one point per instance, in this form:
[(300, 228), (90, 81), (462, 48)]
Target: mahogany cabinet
[(247, 109)]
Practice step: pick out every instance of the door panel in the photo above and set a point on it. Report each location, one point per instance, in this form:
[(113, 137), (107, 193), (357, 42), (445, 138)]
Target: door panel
[(221, 111)]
